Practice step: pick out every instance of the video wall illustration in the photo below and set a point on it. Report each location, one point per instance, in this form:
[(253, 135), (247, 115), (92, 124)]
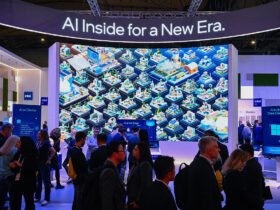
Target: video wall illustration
[(184, 89)]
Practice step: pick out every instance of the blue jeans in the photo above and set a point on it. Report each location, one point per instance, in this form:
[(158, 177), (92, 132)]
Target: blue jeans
[(43, 176)]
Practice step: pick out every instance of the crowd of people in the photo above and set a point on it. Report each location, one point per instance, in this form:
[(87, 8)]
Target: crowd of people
[(99, 175)]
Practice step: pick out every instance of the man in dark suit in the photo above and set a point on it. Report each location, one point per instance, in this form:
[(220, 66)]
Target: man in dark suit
[(203, 192), (99, 156), (112, 191), (253, 179), (80, 167), (158, 196)]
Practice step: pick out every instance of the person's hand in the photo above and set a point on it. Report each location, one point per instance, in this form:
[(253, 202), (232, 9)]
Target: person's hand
[(48, 162), (12, 165), (18, 163)]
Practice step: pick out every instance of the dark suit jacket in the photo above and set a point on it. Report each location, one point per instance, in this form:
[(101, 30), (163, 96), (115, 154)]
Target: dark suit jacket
[(140, 177), (203, 192), (254, 184), (158, 197), (233, 185), (98, 157), (112, 192)]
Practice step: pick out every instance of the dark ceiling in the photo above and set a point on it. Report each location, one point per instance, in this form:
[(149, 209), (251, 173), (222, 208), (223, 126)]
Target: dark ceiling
[(29, 45)]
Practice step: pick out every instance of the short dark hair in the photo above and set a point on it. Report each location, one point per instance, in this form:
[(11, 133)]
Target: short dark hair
[(7, 126), (163, 165), (80, 135), (122, 128), (102, 137), (135, 129), (112, 147), (247, 148)]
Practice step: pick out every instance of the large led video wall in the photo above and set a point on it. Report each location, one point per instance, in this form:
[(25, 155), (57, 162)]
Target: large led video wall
[(184, 89)]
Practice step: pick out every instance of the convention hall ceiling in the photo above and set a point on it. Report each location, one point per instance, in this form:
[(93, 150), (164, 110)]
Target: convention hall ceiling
[(34, 47)]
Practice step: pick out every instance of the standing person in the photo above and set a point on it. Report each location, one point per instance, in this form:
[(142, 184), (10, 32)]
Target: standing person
[(240, 133), (247, 133), (70, 144), (233, 180), (25, 165), (257, 134), (99, 156), (80, 167), (55, 135), (254, 180), (45, 126), (112, 134), (144, 136), (203, 192), (159, 196), (121, 138), (112, 191), (46, 153), (132, 140), (92, 141), (140, 175), (7, 152), (5, 133)]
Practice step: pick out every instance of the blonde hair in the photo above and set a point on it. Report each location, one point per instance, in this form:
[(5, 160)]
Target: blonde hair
[(233, 160)]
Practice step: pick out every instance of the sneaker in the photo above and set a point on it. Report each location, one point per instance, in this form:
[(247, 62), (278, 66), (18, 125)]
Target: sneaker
[(69, 181), (44, 203), (58, 187), (36, 200)]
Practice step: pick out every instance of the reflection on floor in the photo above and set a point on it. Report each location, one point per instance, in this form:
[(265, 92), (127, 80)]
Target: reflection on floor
[(62, 199)]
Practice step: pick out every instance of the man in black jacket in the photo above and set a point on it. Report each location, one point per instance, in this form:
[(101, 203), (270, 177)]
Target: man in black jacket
[(99, 156), (112, 191), (80, 167), (158, 196), (253, 179), (203, 192)]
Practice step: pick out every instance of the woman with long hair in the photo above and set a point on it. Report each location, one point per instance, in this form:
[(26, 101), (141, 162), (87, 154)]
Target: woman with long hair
[(25, 166), (46, 153), (233, 181), (140, 176), (144, 136)]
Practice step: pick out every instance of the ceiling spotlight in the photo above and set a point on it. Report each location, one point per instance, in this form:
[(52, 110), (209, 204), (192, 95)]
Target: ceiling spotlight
[(43, 40), (253, 42)]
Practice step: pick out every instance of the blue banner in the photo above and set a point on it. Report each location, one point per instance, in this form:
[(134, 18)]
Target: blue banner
[(271, 130), (27, 120)]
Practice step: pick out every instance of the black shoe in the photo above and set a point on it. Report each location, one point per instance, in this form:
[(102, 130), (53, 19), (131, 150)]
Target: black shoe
[(58, 187)]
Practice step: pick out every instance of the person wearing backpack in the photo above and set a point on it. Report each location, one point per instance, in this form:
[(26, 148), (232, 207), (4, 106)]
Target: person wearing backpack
[(181, 186), (111, 186), (78, 169)]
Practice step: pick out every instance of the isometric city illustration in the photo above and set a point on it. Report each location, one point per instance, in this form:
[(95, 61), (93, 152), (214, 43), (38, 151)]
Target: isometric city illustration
[(184, 89)]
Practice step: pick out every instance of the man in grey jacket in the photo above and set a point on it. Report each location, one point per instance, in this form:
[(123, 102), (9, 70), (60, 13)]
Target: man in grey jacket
[(112, 191)]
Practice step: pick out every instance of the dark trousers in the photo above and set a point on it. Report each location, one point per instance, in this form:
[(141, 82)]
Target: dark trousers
[(5, 183), (78, 197), (18, 190), (43, 176), (55, 166), (65, 164)]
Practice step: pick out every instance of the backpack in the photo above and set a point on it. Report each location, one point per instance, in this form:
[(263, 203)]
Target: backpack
[(181, 186), (91, 193), (71, 171)]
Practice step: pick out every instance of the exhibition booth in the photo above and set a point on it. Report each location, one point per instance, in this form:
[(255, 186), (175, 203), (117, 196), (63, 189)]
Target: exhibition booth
[(179, 92)]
